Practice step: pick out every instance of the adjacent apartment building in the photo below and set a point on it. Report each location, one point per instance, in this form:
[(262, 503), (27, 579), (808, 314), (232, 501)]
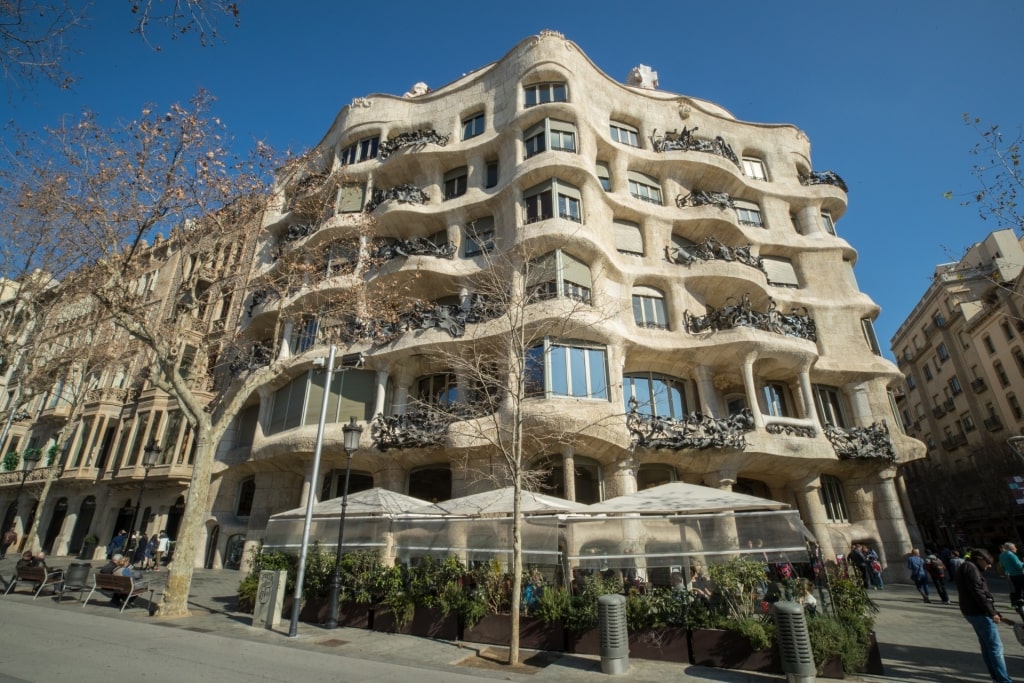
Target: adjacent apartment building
[(961, 351)]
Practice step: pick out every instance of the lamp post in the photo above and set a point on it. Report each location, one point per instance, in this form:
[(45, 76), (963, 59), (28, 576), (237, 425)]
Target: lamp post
[(29, 457), (149, 457), (352, 432)]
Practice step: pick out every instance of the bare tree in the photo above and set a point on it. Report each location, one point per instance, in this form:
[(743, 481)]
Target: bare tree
[(997, 168)]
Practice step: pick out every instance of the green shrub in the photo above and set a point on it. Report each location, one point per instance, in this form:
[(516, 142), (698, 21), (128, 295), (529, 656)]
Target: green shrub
[(582, 614)]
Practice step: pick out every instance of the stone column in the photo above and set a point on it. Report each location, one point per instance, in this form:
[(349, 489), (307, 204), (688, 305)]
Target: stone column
[(809, 219), (908, 511), (382, 390), (724, 535), (894, 538), (307, 481), (861, 405), (751, 389), (624, 476), (807, 394), (569, 471), (709, 404), (808, 494), (286, 336)]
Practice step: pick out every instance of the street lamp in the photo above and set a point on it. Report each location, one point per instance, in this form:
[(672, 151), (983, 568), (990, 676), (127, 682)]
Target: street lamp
[(150, 454), (29, 457), (352, 432)]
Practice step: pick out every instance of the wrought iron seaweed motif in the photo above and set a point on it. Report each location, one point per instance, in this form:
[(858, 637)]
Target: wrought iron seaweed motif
[(423, 427), (824, 178), (791, 430), (740, 314), (712, 249), (258, 356), (686, 141), (417, 246), (695, 431), (405, 194), (704, 198), (862, 442), (417, 138), (450, 318)]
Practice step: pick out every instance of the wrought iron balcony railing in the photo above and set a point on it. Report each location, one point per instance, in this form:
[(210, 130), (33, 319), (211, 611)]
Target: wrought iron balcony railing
[(696, 431), (741, 314), (858, 443)]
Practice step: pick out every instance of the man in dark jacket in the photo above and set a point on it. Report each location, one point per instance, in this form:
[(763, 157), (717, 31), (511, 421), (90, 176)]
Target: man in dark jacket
[(979, 608)]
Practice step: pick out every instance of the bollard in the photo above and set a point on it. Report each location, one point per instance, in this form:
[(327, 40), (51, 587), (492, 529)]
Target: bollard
[(794, 643), (611, 614)]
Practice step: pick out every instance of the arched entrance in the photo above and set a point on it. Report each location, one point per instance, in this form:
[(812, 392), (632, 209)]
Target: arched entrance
[(174, 518), (124, 519), (234, 551), (60, 511), (82, 524), (211, 546)]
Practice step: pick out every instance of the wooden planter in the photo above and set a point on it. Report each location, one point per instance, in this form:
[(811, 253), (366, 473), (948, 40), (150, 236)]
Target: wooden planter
[(874, 664), (668, 644), (426, 622), (833, 668), (355, 615), (731, 650), (534, 633), (586, 643)]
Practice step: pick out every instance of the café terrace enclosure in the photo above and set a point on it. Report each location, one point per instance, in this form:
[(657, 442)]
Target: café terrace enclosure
[(662, 527)]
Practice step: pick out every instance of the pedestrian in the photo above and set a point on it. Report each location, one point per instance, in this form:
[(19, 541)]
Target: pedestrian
[(979, 609), (116, 543), (860, 561), (154, 541), (954, 563), (139, 556), (918, 574), (937, 571), (875, 569), (162, 545), (9, 538), (1013, 569)]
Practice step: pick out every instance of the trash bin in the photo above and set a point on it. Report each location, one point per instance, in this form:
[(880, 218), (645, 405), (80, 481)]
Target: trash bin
[(794, 642), (611, 615)]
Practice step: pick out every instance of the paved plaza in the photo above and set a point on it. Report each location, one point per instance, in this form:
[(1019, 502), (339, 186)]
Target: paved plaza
[(918, 642)]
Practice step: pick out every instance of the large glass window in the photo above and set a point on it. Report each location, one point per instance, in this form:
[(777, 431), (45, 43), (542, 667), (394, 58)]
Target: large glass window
[(479, 236), (748, 213), (828, 223), (833, 499), (644, 187), (754, 168), (542, 93), (567, 369), (586, 478), (439, 389), (776, 399), (558, 274), (299, 402), (625, 134), (304, 334), (360, 151), (558, 136), (604, 175), (655, 394), (540, 201), (828, 401), (649, 308), (473, 126), (455, 182)]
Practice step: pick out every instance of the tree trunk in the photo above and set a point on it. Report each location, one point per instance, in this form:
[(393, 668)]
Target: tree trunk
[(517, 567), (179, 575)]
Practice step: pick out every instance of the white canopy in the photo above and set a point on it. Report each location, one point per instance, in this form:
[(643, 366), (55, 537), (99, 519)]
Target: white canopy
[(682, 498), (499, 503), (368, 503)]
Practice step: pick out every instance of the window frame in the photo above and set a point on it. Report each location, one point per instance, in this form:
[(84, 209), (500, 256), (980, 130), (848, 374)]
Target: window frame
[(556, 91), (828, 223), (565, 196), (751, 162), (749, 214), (829, 402), (833, 499), (361, 150), (645, 188), (481, 239), (245, 496), (672, 391), (583, 364), (649, 302), (456, 183), (474, 125), (624, 134)]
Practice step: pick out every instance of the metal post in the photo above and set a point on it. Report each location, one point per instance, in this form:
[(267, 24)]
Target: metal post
[(293, 628), (25, 460), (351, 432), (149, 457)]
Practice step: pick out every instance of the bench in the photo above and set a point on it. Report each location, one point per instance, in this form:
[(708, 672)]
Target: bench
[(116, 584), (40, 577)]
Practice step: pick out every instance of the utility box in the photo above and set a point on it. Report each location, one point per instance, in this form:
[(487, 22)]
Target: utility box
[(269, 599), (611, 615), (794, 642)]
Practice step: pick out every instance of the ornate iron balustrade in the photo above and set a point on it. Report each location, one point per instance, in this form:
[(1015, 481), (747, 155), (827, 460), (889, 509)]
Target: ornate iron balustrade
[(453, 319), (422, 428), (417, 139), (740, 314), (261, 295), (824, 178), (861, 443), (703, 198), (791, 430), (404, 194), (297, 231), (417, 246), (696, 431), (35, 475), (712, 249), (258, 356), (686, 141)]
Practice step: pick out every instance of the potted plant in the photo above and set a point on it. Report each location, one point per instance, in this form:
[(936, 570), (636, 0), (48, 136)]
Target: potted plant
[(847, 633), (89, 546), (581, 619), (427, 601), (657, 623), (362, 588)]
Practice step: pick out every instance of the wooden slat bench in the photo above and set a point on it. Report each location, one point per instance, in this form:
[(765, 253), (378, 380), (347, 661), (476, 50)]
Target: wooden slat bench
[(39, 577), (116, 584)]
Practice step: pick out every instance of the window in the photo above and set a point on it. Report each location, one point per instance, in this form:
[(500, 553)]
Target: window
[(604, 176), (939, 320), (299, 402), (473, 126), (989, 346), (491, 177), (833, 499), (780, 271), (644, 187), (827, 223), (455, 182), (542, 93), (954, 386), (967, 422), (868, 328), (911, 384), (557, 369), (754, 168), (628, 238), (1015, 407), (942, 352), (748, 213), (479, 236), (304, 334), (558, 274), (1004, 380), (558, 136), (625, 134), (776, 402), (245, 496), (656, 395), (438, 390), (1019, 357), (188, 359), (1007, 329), (334, 483), (587, 478), (433, 483), (540, 199), (360, 151), (927, 371), (649, 308), (829, 403)]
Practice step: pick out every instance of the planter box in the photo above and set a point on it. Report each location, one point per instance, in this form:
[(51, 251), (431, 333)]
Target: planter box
[(731, 650), (355, 615), (874, 664), (586, 643), (833, 668), (534, 634), (426, 622), (668, 644)]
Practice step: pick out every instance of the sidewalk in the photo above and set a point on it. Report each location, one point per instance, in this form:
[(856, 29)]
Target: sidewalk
[(918, 641)]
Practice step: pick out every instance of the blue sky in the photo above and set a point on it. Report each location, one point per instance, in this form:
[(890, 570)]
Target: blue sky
[(879, 87)]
